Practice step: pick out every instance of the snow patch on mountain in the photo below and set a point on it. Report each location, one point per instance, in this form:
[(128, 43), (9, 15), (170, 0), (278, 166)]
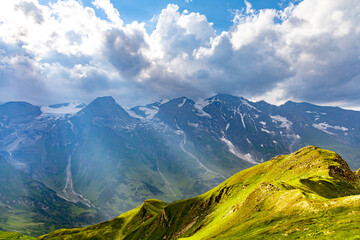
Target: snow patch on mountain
[(242, 119), (179, 132), (195, 125), (321, 113), (149, 112), (325, 126), (199, 105), (284, 123), (247, 157), (62, 109), (247, 104), (241, 116), (133, 114), (267, 131), (163, 101), (182, 104)]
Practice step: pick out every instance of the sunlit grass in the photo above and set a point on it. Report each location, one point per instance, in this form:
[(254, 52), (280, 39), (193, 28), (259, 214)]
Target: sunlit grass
[(310, 194)]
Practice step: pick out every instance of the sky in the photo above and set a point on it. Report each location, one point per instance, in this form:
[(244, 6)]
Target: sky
[(141, 51)]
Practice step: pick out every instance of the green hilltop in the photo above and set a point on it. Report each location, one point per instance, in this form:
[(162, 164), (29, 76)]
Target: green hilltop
[(309, 194)]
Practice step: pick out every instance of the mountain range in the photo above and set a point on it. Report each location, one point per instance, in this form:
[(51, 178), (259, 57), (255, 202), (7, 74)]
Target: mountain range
[(98, 160), (309, 194)]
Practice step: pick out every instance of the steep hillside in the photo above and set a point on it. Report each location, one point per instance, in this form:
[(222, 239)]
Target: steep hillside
[(311, 193), (30, 207)]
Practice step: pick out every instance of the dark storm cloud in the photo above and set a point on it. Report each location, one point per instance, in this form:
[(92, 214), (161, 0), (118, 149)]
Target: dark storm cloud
[(337, 81), (253, 69), (163, 84), (21, 80), (124, 51), (94, 81)]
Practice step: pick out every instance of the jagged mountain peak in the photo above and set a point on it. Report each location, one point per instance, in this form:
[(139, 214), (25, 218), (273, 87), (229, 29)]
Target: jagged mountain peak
[(225, 97), (108, 100), (290, 103), (176, 111), (231, 101), (106, 108), (150, 110), (180, 101), (105, 102), (184, 104)]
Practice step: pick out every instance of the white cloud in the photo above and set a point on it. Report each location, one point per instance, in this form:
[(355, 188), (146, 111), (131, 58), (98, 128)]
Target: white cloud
[(179, 34), (324, 126), (111, 12), (252, 27), (308, 51), (58, 51), (66, 27), (321, 41)]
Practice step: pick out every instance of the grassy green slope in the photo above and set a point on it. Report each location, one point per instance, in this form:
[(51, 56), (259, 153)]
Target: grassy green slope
[(14, 236), (311, 193), (117, 228)]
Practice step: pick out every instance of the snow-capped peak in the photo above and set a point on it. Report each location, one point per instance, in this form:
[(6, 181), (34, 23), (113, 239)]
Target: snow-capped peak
[(199, 105), (62, 109)]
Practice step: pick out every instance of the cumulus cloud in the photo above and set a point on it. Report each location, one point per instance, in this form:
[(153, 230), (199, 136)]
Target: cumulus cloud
[(179, 34), (57, 52), (323, 46), (111, 12), (308, 52), (20, 75), (30, 9), (124, 48)]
